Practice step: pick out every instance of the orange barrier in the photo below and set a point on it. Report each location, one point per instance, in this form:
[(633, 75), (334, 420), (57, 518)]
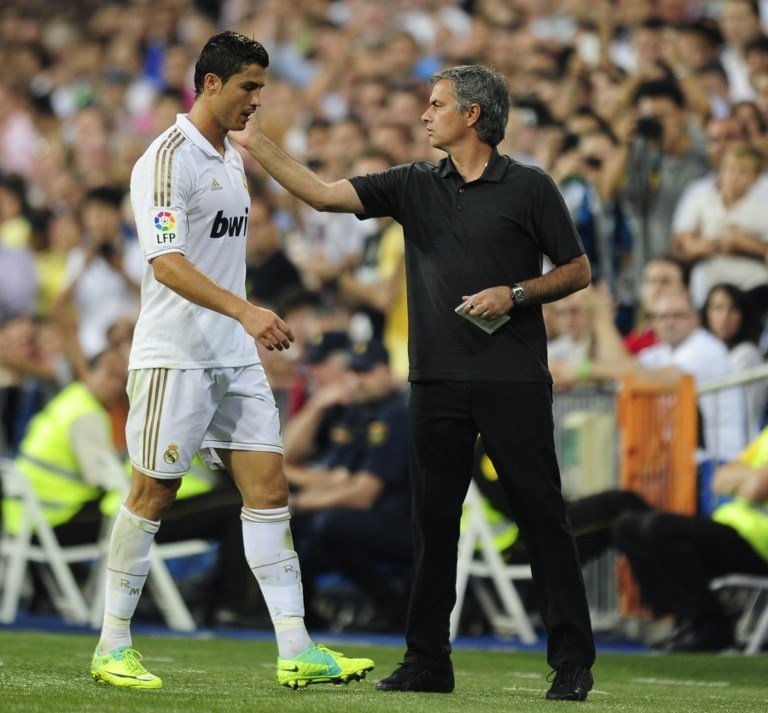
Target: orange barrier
[(658, 425)]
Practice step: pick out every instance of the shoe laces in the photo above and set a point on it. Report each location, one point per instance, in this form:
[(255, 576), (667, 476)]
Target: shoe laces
[(568, 673), (326, 650), (132, 659)]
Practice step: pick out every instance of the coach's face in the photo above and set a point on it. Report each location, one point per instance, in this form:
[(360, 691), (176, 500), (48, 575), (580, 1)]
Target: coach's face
[(444, 123), (233, 102)]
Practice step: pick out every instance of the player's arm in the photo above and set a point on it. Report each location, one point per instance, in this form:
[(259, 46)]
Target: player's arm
[(336, 197), (178, 274)]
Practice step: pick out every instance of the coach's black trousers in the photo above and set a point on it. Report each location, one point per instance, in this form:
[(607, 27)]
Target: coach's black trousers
[(515, 423)]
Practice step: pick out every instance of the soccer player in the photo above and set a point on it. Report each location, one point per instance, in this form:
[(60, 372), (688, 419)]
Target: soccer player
[(196, 382)]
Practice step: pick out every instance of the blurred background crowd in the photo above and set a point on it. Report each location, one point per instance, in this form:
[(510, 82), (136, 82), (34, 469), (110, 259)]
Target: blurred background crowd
[(650, 115)]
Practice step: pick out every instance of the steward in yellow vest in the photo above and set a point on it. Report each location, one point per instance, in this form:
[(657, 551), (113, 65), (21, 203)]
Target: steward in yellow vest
[(66, 453), (675, 557)]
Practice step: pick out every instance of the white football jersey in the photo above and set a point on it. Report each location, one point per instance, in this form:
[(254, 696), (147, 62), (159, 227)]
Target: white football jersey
[(187, 198)]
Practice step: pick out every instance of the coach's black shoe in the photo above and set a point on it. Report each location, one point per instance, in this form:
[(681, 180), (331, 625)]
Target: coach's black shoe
[(412, 676), (572, 683)]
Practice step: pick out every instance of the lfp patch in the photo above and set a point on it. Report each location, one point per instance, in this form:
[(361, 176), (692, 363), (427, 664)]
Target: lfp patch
[(165, 221)]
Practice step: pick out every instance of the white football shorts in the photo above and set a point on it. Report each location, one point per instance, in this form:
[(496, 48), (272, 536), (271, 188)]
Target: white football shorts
[(176, 413)]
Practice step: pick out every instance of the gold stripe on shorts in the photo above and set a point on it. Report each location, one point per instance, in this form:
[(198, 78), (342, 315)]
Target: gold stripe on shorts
[(158, 378), (164, 167)]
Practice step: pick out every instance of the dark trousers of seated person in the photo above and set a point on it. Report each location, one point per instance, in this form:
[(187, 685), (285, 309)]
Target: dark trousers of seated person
[(592, 520), (210, 516), (358, 544), (675, 557)]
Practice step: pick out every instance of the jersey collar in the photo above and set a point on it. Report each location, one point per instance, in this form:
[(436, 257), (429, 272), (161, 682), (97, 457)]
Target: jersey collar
[(493, 173), (194, 135)]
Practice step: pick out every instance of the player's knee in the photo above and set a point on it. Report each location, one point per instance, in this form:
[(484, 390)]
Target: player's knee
[(151, 497)]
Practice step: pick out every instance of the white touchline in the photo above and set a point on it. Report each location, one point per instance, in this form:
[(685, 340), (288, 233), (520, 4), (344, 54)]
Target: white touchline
[(680, 682)]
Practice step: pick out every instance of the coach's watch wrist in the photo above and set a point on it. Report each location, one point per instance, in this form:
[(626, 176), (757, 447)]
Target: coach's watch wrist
[(517, 293)]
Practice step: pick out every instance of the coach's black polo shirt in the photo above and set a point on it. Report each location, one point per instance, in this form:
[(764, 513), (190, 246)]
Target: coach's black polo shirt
[(461, 238)]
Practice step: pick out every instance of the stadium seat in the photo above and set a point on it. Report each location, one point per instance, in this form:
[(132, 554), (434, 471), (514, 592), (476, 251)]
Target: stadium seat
[(479, 558), (752, 626), (36, 543)]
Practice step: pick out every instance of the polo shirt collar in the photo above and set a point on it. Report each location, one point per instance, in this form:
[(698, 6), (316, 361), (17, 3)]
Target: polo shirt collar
[(493, 173), (194, 135)]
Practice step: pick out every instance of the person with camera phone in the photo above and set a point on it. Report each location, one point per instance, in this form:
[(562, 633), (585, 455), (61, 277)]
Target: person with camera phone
[(656, 160), (104, 272)]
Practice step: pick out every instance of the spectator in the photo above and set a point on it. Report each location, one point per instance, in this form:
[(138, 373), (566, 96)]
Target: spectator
[(721, 134), (675, 557), (729, 314), (14, 224), (268, 271), (105, 272), (657, 163), (740, 23), (359, 484), (729, 239), (64, 454), (659, 275), (575, 341), (683, 348)]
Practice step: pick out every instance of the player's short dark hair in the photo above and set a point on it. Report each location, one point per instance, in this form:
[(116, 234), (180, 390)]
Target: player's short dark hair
[(226, 54)]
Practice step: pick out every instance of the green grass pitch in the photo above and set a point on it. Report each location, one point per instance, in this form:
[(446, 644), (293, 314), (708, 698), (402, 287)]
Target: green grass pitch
[(49, 673)]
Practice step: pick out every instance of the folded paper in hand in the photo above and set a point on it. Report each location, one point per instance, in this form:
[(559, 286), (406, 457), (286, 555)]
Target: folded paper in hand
[(487, 325)]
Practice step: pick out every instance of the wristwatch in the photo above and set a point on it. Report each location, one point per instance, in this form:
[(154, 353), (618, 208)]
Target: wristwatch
[(518, 295)]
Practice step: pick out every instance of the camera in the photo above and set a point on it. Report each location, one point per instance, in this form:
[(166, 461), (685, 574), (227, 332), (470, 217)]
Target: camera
[(649, 128), (593, 162), (107, 250)]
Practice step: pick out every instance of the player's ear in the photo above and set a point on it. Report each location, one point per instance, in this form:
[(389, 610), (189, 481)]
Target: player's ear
[(212, 83)]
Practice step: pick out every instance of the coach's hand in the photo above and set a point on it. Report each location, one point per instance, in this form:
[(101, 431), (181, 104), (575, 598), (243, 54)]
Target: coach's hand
[(490, 303)]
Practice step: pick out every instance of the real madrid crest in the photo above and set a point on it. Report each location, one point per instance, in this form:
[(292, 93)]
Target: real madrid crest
[(171, 454)]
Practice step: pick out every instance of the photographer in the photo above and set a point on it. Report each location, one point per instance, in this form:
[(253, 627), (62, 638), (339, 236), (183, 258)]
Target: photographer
[(104, 272), (656, 160)]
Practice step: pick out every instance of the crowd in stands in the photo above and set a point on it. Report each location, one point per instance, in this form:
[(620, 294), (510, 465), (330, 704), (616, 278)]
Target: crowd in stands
[(650, 115)]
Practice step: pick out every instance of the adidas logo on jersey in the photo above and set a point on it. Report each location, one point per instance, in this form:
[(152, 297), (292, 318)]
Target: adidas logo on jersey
[(232, 227), (216, 186)]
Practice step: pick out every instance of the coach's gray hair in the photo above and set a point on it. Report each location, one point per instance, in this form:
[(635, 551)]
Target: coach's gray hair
[(475, 84)]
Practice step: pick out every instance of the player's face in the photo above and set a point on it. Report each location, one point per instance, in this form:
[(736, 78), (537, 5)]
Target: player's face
[(234, 102), (444, 124)]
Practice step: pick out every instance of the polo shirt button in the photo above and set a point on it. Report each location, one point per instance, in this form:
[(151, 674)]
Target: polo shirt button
[(461, 190), (459, 207)]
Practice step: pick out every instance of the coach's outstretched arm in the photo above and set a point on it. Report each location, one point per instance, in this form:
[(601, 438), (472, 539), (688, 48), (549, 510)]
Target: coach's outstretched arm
[(336, 197)]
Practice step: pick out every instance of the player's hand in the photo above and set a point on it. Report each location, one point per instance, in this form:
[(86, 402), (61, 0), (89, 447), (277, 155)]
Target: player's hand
[(490, 303), (267, 329)]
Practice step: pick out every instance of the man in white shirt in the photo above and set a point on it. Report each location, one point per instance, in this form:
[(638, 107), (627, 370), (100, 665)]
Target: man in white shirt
[(683, 348), (196, 382)]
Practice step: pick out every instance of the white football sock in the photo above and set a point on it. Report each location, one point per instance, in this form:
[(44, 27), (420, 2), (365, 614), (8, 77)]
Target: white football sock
[(273, 561), (127, 569)]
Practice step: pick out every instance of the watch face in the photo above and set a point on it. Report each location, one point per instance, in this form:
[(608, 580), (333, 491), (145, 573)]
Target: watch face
[(518, 293)]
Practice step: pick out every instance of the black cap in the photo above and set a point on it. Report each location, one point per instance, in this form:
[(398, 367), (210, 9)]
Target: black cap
[(366, 355), (322, 345)]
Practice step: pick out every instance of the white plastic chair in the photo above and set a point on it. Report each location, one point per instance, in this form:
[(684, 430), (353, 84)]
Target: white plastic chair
[(36, 542), (479, 558), (752, 626)]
